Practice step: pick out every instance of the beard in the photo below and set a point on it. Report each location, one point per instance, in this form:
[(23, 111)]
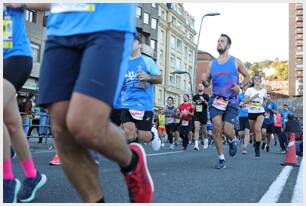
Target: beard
[(221, 51)]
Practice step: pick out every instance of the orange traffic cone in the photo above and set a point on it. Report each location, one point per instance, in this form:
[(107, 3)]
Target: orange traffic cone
[(291, 154)]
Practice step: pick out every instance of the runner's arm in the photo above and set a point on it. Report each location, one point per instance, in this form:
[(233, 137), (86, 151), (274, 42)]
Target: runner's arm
[(242, 70)]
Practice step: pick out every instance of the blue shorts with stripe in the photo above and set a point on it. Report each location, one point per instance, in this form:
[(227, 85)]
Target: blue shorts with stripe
[(92, 64)]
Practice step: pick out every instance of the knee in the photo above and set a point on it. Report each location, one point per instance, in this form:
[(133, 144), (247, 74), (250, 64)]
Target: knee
[(14, 125), (146, 136), (217, 129), (86, 131), (228, 132), (130, 130)]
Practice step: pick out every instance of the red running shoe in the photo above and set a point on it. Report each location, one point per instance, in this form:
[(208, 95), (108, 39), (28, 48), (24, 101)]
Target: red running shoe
[(139, 180), (55, 160)]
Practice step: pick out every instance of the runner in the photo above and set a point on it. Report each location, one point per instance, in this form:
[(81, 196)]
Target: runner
[(223, 106), (161, 126), (244, 126), (200, 117), (177, 127), (278, 130), (17, 66), (254, 96), (270, 110), (170, 120), (88, 61), (137, 105), (186, 113)]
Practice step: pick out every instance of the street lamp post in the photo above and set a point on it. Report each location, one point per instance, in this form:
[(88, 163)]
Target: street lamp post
[(196, 54), (190, 81)]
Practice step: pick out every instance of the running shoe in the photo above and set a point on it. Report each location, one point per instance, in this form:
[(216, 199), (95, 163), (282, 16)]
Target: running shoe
[(232, 147), (10, 190), (139, 181), (205, 143), (268, 148), (220, 164), (156, 143), (263, 146), (171, 147), (30, 186), (55, 160)]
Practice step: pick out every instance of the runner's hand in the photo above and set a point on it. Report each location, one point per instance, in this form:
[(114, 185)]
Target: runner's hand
[(143, 76), (236, 88), (255, 96)]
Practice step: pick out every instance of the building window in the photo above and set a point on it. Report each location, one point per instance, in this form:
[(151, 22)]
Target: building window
[(172, 41), (179, 45), (190, 55), (161, 36), (172, 60), (178, 82), (146, 18), (153, 44), (162, 14), (185, 86), (171, 80), (178, 64), (138, 12), (179, 25), (160, 96), (30, 16), (173, 21), (153, 23), (153, 5), (161, 56), (36, 52)]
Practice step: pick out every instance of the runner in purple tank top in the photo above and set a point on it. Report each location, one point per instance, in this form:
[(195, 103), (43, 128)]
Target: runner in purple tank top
[(223, 73)]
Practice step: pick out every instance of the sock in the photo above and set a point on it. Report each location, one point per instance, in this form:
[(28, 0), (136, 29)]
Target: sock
[(28, 168), (196, 142), (132, 164), (101, 200), (221, 157), (231, 140), (7, 170)]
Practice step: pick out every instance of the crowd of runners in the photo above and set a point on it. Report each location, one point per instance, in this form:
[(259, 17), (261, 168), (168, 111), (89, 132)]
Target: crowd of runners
[(99, 91)]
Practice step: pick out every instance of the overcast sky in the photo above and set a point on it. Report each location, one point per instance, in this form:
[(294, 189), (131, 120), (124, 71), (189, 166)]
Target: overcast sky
[(259, 31)]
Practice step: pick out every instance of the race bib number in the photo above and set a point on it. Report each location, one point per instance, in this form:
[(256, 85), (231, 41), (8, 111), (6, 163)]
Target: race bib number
[(170, 120), (185, 123), (220, 103), (136, 114), (255, 106), (177, 121), (7, 32), (199, 108), (69, 7)]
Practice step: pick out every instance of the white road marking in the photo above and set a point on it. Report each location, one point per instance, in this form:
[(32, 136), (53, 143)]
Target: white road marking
[(163, 153), (297, 196), (274, 191)]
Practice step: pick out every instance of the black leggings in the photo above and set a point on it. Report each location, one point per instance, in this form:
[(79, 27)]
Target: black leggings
[(17, 69), (184, 133), (170, 129)]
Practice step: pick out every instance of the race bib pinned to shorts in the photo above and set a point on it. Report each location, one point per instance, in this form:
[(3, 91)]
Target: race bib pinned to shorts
[(185, 122), (199, 108), (70, 7), (220, 103), (136, 114), (267, 115), (7, 32)]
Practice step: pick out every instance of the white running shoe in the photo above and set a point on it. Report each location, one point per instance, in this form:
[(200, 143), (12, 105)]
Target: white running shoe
[(205, 143), (156, 143), (196, 145)]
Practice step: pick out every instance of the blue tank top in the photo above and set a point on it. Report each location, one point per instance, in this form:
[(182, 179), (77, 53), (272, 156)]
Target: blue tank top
[(224, 77), (67, 19), (243, 112), (21, 45)]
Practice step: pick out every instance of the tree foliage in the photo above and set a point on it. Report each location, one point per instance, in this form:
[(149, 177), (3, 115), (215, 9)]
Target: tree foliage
[(281, 69)]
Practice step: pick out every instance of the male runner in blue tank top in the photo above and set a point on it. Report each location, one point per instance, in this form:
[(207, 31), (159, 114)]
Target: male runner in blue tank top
[(223, 105), (85, 59)]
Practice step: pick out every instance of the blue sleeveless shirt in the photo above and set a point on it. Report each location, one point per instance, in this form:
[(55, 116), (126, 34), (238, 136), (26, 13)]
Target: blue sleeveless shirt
[(224, 77)]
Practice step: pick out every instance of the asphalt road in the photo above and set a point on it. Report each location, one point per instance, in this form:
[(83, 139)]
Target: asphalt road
[(179, 176)]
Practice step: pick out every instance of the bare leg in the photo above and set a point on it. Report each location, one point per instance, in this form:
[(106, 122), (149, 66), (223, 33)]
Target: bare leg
[(217, 122)]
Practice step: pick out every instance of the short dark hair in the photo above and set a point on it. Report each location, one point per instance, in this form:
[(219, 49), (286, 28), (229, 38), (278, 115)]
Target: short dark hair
[(171, 98), (285, 105), (138, 38), (229, 41), (186, 95)]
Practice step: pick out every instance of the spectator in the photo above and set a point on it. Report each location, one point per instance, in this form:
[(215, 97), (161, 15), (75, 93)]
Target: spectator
[(293, 126)]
